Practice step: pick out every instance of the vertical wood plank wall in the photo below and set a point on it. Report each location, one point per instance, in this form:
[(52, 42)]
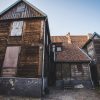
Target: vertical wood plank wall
[(30, 40)]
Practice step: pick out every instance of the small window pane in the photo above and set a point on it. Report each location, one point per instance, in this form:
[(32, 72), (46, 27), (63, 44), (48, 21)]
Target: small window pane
[(17, 28), (58, 48)]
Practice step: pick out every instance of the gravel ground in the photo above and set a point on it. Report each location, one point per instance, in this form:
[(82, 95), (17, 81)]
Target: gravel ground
[(76, 94), (55, 94), (17, 98)]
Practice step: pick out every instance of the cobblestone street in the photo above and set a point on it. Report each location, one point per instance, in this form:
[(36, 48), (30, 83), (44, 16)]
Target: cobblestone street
[(77, 94)]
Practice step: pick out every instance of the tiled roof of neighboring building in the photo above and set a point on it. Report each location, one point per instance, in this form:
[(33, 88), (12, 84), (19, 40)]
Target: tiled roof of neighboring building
[(57, 39), (77, 40), (92, 37), (71, 53)]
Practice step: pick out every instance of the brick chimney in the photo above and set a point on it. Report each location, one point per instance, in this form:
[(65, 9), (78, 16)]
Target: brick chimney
[(69, 38)]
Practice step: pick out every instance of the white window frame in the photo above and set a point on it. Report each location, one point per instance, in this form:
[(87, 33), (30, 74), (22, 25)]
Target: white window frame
[(17, 28), (59, 49)]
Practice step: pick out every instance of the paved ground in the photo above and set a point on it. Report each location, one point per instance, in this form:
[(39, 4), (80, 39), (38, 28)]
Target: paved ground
[(76, 94), (16, 98)]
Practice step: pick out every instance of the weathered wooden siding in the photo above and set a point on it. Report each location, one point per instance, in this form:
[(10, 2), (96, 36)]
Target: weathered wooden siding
[(97, 53), (28, 62), (32, 32), (67, 71), (30, 40), (4, 31), (17, 12), (90, 50)]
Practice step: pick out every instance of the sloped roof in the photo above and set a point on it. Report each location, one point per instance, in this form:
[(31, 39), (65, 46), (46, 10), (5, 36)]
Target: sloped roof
[(57, 39), (71, 53), (94, 34), (79, 40), (10, 12)]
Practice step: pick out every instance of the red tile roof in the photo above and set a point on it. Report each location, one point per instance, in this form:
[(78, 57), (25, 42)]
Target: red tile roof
[(77, 40), (57, 39), (71, 53)]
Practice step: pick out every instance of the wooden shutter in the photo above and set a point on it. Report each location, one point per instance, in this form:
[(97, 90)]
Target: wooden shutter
[(17, 28)]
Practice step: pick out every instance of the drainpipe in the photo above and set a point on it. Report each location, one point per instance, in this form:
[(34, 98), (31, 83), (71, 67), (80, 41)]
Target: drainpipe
[(90, 75), (43, 62)]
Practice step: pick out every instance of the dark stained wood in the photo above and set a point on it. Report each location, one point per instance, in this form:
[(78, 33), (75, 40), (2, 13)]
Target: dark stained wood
[(15, 14), (97, 49), (35, 28), (28, 62)]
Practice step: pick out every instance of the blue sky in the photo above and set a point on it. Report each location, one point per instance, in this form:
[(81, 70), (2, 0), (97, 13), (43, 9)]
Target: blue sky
[(78, 17)]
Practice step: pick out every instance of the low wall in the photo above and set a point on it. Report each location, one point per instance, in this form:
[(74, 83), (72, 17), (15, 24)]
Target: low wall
[(20, 87)]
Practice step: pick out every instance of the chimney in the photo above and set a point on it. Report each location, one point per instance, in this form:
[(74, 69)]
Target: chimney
[(89, 35), (69, 38)]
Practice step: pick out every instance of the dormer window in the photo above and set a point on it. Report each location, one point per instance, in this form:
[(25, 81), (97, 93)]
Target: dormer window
[(58, 49)]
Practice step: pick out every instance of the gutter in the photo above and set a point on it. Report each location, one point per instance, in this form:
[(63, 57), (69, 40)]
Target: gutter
[(43, 58)]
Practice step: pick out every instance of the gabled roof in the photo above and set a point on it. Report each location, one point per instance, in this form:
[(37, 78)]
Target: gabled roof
[(71, 53), (94, 34), (42, 14)]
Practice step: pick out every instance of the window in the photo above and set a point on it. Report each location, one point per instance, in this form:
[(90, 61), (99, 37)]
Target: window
[(17, 28), (10, 61), (21, 8), (58, 48)]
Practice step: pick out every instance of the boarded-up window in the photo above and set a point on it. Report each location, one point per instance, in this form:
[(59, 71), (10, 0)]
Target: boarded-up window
[(10, 61), (17, 28)]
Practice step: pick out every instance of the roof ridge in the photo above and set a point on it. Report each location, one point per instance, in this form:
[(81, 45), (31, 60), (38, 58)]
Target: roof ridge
[(18, 1)]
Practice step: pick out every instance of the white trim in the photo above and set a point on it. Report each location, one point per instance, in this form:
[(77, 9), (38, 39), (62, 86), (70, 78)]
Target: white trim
[(85, 53)]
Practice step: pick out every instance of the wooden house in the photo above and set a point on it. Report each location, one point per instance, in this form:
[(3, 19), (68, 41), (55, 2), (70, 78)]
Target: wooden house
[(72, 67), (92, 48), (24, 49)]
